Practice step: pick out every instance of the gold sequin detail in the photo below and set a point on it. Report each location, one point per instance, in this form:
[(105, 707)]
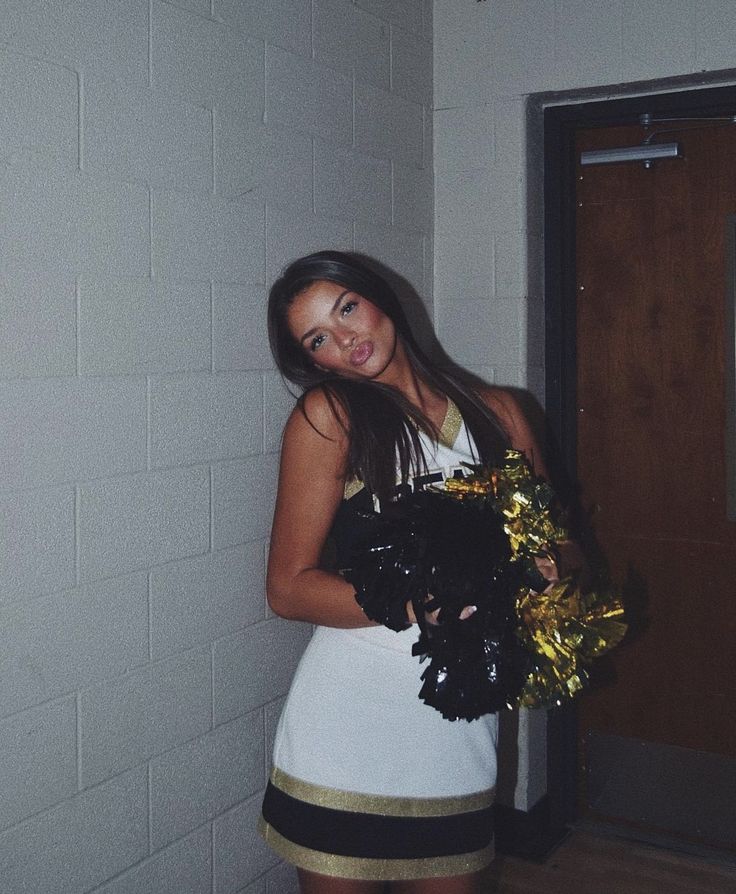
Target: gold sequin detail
[(451, 425), (368, 869), (385, 805), (352, 487)]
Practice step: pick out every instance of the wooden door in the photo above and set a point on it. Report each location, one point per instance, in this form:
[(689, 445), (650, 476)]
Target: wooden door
[(658, 742)]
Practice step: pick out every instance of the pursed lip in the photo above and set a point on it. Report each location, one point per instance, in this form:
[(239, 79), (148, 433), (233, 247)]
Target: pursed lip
[(361, 354)]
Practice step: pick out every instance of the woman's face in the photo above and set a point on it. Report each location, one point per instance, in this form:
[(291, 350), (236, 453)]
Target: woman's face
[(342, 332)]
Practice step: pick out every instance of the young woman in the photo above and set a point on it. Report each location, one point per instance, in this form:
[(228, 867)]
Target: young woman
[(370, 786)]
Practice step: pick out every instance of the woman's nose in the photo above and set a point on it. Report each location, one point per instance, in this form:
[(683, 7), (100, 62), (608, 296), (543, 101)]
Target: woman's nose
[(347, 337)]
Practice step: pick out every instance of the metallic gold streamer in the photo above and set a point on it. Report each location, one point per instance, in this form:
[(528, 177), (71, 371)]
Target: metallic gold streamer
[(562, 627)]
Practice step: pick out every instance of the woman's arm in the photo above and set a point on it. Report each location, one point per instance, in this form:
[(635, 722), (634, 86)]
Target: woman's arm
[(511, 417), (311, 482)]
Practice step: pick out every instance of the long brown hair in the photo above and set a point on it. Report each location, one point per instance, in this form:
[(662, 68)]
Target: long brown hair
[(381, 424)]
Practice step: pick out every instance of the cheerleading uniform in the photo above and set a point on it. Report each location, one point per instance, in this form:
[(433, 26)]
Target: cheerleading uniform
[(369, 782)]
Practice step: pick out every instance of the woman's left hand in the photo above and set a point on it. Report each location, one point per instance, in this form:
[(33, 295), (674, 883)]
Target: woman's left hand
[(568, 559)]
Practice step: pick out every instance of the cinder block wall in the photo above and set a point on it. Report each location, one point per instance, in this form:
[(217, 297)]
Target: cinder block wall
[(488, 58), (161, 161)]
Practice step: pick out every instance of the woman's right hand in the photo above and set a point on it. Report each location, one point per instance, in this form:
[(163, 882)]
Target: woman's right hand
[(432, 617)]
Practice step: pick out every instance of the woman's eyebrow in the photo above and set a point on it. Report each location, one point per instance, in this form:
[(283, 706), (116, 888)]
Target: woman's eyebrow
[(334, 308)]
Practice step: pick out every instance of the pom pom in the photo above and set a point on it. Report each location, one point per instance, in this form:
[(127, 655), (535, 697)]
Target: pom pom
[(474, 543)]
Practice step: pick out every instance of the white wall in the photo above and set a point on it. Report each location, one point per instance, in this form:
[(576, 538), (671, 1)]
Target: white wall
[(489, 56), (161, 161)]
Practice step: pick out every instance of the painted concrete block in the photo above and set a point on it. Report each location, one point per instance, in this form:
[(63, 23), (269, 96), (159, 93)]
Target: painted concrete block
[(352, 185), (61, 643), (272, 713), (289, 236), (126, 721), (522, 46), (280, 23), (282, 879), (715, 34), (36, 543), (351, 40), (208, 237), (140, 326), (145, 135), (387, 125), (142, 520), (464, 265), (413, 198), (463, 201), (205, 417), (37, 329), (109, 37), (484, 332), (278, 400), (239, 328), (201, 7), (304, 95), (588, 43), (58, 430), (658, 38), (183, 868), (510, 267), (274, 647), (38, 108), (240, 853), (463, 137), (60, 220), (243, 496), (276, 162), (401, 251), (200, 780), (405, 13), (81, 842), (411, 66), (206, 62), (509, 133), (463, 53), (39, 765), (199, 600)]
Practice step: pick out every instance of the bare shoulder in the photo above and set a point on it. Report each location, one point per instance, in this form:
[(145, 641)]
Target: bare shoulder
[(318, 415), (504, 404)]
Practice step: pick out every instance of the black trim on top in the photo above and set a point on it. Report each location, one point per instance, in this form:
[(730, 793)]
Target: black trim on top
[(375, 836)]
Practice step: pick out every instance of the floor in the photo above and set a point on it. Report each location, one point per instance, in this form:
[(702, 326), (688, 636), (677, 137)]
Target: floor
[(589, 863)]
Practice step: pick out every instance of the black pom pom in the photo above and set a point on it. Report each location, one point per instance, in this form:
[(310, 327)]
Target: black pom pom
[(444, 555)]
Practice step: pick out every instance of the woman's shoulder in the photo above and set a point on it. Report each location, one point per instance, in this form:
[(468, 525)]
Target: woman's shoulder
[(503, 404), (320, 412), (507, 409)]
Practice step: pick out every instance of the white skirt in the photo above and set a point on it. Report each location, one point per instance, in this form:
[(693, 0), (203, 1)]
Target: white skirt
[(369, 782)]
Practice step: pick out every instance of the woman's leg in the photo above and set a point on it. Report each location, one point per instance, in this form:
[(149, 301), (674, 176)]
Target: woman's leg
[(475, 883), (312, 883)]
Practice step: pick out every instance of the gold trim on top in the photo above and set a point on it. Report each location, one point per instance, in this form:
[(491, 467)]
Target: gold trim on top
[(451, 425), (385, 805), (369, 869), (352, 487), (449, 430)]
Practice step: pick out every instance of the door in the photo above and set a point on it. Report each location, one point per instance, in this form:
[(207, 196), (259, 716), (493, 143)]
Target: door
[(658, 740)]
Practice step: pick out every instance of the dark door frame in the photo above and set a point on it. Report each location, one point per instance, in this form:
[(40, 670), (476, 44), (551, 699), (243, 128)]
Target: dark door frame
[(552, 121)]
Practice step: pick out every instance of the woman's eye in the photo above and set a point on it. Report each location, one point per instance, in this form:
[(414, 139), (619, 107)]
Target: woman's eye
[(316, 342), (348, 307)]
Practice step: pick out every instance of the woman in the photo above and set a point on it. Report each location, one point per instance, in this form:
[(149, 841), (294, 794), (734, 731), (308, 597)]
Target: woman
[(370, 785)]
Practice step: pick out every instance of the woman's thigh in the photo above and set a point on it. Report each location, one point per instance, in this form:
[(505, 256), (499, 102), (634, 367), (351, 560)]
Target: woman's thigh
[(312, 883), (475, 883)]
